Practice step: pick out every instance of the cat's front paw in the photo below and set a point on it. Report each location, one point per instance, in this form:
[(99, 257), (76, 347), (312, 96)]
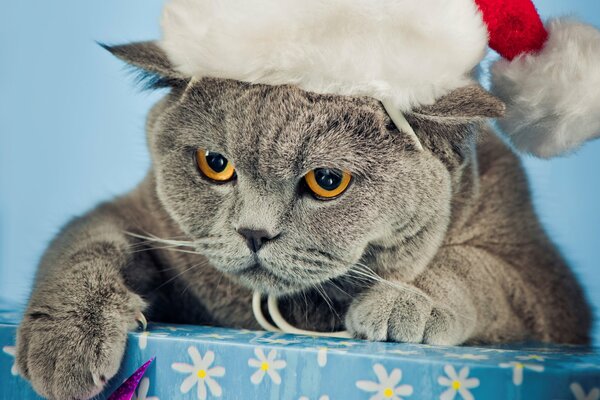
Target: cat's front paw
[(403, 313), (71, 342)]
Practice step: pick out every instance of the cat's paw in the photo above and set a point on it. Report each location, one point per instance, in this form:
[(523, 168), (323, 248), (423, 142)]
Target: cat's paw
[(72, 343), (403, 314)]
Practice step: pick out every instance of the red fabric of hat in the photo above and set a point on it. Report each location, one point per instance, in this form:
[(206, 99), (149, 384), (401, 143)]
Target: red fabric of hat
[(514, 26)]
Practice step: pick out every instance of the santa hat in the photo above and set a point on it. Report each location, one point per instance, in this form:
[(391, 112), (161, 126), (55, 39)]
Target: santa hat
[(405, 53)]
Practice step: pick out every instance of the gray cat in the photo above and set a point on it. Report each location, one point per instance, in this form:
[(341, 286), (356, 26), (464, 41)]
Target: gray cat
[(317, 198)]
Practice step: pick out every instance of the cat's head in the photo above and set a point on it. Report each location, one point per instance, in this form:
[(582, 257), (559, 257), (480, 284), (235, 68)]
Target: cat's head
[(286, 189)]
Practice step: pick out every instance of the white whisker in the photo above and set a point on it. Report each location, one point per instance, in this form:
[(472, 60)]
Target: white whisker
[(177, 276), (323, 294), (153, 238)]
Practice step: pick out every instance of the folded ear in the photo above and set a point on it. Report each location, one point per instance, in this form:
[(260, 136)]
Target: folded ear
[(462, 106), (151, 62), (446, 126)]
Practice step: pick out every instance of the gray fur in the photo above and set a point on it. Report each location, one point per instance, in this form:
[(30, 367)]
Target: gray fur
[(450, 232)]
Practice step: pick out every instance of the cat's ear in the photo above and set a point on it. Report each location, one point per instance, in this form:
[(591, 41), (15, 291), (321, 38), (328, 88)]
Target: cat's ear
[(150, 62), (446, 126), (465, 105)]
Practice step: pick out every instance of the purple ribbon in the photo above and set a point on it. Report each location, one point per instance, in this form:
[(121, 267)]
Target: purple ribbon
[(127, 389)]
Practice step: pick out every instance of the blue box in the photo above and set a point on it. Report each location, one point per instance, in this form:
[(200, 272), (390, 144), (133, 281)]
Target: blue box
[(194, 362)]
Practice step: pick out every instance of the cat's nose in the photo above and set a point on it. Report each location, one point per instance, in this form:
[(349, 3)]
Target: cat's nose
[(256, 238)]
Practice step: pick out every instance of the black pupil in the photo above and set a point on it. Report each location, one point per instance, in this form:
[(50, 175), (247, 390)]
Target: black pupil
[(328, 179), (216, 162)]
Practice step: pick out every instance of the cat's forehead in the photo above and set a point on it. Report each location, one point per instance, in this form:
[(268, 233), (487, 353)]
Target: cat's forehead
[(285, 130), (270, 104)]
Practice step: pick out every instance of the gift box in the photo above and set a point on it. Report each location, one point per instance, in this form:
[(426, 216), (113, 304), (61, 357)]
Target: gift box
[(195, 362)]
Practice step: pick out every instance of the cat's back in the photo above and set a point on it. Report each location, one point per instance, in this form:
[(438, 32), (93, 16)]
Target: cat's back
[(502, 222), (500, 209)]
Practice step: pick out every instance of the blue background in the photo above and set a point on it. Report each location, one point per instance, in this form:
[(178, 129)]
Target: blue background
[(71, 133)]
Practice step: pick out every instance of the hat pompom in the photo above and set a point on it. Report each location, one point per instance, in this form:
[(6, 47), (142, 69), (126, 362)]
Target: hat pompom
[(552, 96)]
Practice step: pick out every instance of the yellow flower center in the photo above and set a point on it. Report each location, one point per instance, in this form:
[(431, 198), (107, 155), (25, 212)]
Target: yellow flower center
[(388, 392), (455, 385), (201, 374), (519, 366), (264, 366)]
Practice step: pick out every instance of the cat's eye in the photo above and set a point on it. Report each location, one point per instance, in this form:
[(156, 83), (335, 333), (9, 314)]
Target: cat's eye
[(327, 183), (214, 166)]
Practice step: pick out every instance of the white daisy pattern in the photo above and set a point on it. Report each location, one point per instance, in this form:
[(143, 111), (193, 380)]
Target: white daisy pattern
[(268, 365), (143, 340), (322, 356), (216, 336), (388, 386), (457, 383), (142, 392), (343, 343), (201, 372), (404, 352), (245, 332), (284, 342), (531, 357), (324, 397), (518, 368), (580, 394), (11, 351)]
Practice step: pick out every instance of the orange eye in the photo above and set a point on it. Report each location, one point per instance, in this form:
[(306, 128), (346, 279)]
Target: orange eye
[(327, 183), (214, 166)]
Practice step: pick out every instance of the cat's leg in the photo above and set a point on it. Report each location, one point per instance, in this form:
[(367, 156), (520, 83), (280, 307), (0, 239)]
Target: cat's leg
[(73, 334), (461, 296)]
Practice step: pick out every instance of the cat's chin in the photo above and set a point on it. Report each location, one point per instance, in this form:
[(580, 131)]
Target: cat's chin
[(260, 279)]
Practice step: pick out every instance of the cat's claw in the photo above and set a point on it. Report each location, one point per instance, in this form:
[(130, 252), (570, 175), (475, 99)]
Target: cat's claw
[(142, 321), (99, 380)]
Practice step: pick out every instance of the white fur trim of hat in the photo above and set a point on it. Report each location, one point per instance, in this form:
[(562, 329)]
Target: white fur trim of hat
[(405, 53)]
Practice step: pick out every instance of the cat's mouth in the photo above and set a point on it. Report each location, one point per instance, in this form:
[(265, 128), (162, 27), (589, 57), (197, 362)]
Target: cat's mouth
[(260, 278)]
